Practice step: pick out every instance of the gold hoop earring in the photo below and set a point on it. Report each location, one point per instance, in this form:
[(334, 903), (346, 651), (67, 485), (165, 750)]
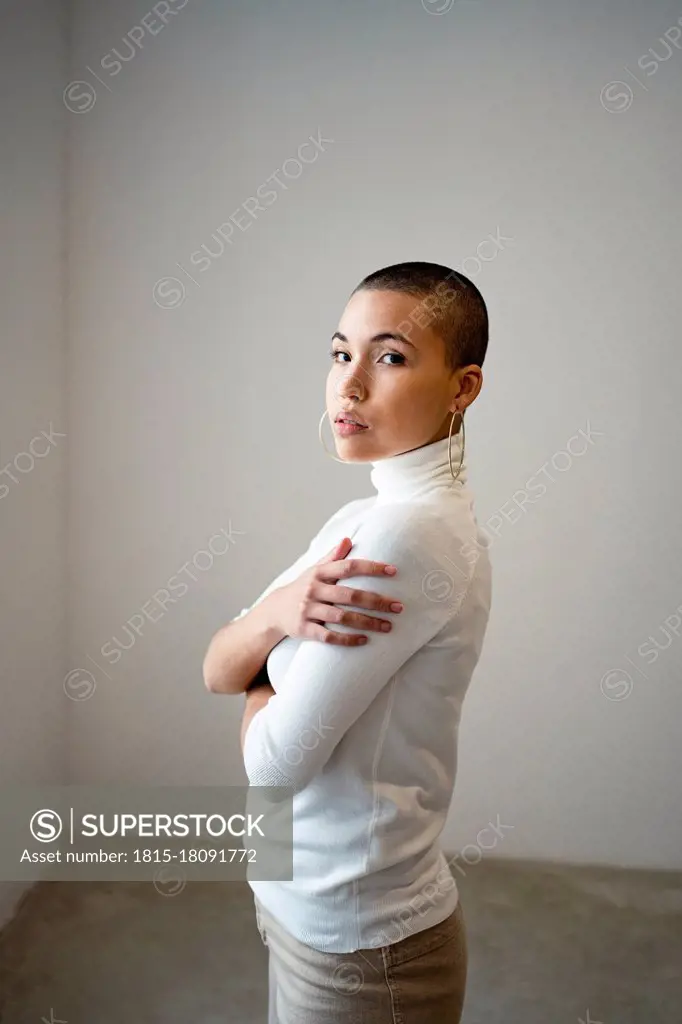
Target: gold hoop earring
[(461, 458), (319, 431)]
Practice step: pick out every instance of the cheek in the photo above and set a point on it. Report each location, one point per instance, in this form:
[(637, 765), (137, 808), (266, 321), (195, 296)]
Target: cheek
[(407, 390), (408, 402)]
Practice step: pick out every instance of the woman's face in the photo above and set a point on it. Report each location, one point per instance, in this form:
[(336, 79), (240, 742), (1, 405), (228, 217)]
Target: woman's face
[(401, 389)]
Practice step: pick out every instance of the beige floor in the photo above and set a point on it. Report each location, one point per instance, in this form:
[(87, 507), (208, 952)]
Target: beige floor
[(548, 945)]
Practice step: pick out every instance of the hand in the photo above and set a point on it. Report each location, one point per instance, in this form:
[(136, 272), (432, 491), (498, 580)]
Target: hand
[(299, 609)]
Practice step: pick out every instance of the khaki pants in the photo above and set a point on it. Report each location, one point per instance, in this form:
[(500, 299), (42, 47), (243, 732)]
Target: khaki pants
[(419, 980)]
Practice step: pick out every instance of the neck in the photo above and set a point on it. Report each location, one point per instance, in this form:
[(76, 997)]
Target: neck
[(418, 474)]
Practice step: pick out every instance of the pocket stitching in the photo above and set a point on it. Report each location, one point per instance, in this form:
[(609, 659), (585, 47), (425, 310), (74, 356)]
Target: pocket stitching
[(436, 943)]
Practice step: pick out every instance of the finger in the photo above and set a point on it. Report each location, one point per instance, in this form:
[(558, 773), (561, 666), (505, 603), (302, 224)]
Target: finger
[(326, 613), (356, 567), (362, 598), (330, 636), (340, 550)]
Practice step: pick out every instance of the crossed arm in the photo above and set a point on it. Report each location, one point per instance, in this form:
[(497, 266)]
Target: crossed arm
[(288, 736)]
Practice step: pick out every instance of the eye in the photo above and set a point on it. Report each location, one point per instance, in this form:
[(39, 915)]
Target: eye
[(334, 352)]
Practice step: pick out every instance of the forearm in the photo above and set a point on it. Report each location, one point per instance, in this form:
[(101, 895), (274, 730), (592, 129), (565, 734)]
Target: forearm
[(238, 651), (255, 702)]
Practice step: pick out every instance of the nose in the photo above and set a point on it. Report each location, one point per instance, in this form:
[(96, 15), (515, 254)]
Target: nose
[(349, 386)]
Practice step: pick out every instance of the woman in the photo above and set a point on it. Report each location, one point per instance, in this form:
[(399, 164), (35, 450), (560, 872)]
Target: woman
[(362, 725)]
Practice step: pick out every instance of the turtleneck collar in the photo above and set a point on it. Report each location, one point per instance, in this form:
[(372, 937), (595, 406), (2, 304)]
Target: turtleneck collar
[(417, 474)]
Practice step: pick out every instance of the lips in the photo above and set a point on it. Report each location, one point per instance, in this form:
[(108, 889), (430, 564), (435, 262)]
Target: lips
[(343, 417)]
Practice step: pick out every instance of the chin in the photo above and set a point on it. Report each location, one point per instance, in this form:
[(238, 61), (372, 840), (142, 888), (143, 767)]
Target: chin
[(352, 449)]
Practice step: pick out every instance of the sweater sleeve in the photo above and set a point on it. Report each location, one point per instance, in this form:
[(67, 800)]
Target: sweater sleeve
[(326, 687)]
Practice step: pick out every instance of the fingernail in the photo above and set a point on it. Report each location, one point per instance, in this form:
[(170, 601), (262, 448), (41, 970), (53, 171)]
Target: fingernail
[(362, 640), (396, 606), (390, 569)]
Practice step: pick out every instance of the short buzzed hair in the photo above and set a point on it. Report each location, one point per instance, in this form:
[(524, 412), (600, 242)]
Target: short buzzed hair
[(450, 304)]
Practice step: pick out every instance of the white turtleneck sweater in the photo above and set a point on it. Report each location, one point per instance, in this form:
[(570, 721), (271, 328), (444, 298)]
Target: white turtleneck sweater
[(366, 737)]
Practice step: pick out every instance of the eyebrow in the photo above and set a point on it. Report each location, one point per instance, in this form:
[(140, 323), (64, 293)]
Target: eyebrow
[(385, 336)]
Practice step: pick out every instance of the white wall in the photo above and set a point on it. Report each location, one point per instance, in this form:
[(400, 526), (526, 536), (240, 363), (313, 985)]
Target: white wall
[(33, 656), (446, 129)]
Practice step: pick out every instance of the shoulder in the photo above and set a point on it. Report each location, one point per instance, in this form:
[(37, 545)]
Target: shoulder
[(423, 537), (356, 505), (345, 518), (351, 508), (421, 524)]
